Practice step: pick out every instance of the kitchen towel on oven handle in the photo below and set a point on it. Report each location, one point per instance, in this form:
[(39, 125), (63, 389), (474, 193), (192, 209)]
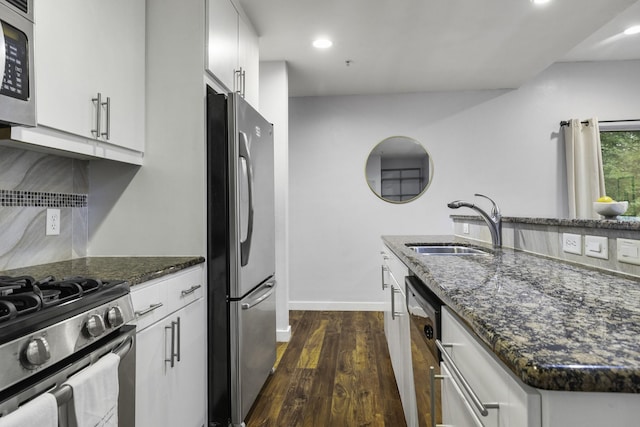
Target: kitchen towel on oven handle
[(95, 393), (40, 412)]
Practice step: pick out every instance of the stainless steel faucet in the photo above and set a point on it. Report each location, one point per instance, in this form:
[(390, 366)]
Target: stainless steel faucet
[(494, 221)]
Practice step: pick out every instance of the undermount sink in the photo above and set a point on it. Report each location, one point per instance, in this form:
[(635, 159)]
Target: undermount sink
[(446, 250)]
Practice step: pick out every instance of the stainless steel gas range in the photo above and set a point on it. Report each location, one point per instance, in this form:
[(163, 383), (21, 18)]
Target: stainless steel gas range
[(53, 329)]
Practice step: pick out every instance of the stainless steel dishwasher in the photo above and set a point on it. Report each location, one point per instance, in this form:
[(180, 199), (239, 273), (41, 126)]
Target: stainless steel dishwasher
[(425, 310)]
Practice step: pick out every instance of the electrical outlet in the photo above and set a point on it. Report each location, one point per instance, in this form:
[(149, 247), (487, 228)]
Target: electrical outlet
[(572, 243), (465, 228), (53, 222)]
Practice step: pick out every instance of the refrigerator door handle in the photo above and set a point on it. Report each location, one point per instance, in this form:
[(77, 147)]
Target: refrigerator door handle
[(245, 245), (270, 286)]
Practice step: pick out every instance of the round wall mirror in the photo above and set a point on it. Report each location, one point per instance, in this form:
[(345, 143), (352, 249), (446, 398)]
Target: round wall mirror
[(399, 169)]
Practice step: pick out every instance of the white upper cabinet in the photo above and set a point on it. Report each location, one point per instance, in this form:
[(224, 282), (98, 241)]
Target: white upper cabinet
[(85, 50), (232, 49)]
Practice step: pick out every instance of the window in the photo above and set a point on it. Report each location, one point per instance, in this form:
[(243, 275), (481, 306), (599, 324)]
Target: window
[(621, 164)]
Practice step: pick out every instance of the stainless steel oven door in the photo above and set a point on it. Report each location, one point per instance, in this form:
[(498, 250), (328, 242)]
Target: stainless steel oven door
[(424, 311), (17, 91), (52, 379)]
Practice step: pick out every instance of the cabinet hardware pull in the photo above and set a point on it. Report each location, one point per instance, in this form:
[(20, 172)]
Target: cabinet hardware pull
[(432, 381), (172, 352), (148, 310), (394, 314), (243, 81), (190, 290), (482, 407), (98, 101), (384, 270), (178, 339), (175, 342), (108, 123)]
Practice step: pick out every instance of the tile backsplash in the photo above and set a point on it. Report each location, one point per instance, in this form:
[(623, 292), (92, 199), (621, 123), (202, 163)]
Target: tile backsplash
[(31, 182)]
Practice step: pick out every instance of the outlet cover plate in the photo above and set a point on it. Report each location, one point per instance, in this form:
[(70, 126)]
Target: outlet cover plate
[(572, 243), (53, 222)]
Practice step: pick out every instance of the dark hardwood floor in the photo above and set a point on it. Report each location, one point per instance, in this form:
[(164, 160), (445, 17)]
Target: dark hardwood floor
[(335, 371)]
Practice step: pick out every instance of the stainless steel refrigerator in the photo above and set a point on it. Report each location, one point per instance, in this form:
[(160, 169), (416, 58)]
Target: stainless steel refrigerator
[(240, 256)]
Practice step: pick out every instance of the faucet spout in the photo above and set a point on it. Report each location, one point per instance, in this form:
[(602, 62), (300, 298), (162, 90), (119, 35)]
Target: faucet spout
[(493, 220)]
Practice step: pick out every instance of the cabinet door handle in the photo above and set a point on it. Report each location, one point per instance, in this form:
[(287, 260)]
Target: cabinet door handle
[(394, 291), (432, 384), (384, 276), (172, 351), (148, 310), (483, 408), (107, 105), (178, 338), (244, 79), (191, 290), (98, 101), (175, 342)]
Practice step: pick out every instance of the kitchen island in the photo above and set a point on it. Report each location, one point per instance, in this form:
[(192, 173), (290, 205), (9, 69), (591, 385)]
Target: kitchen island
[(556, 326)]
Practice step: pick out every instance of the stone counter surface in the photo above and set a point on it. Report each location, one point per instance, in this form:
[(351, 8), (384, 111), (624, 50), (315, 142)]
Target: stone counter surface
[(557, 326), (134, 270)]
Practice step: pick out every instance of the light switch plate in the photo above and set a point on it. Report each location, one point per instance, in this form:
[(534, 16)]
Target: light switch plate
[(465, 228), (596, 247), (572, 243), (628, 251)]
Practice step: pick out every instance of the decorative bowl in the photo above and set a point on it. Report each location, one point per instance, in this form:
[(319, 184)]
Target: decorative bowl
[(610, 210)]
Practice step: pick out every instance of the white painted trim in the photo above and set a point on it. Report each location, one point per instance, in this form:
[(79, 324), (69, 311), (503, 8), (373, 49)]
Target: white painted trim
[(336, 306), (283, 335)]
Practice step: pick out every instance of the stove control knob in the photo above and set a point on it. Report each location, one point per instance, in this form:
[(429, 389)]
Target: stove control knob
[(95, 325), (115, 317), (36, 353)]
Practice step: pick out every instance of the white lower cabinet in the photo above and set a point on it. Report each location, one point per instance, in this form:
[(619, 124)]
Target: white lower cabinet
[(397, 328), (471, 371), (170, 351)]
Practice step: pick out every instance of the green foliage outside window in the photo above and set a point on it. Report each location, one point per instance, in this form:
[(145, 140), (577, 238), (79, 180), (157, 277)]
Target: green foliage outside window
[(621, 163)]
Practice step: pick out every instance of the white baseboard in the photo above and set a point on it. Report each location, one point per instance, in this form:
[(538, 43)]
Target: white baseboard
[(336, 306), (283, 335)]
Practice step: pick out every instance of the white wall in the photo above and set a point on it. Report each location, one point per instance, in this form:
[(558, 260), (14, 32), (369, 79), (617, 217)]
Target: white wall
[(159, 209), (503, 143), (274, 106)]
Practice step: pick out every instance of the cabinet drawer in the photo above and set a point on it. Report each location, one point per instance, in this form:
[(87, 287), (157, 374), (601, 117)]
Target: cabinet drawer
[(518, 404), (158, 298), (149, 303), (185, 288), (394, 267)]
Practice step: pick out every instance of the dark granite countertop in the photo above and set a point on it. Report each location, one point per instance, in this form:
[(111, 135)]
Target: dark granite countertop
[(134, 270), (622, 223), (557, 326)]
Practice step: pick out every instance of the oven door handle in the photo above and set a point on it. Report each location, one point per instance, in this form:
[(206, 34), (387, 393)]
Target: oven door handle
[(64, 393)]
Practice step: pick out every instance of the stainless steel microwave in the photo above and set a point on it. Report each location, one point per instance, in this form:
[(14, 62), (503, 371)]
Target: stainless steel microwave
[(17, 93)]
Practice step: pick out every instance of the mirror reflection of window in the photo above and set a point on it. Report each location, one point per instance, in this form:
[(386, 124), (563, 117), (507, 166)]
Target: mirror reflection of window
[(399, 169)]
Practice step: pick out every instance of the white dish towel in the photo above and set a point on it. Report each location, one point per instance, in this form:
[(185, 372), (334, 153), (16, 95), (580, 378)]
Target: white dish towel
[(40, 412), (95, 393)]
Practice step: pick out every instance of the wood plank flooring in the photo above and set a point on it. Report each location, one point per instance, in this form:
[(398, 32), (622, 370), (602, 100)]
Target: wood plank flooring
[(335, 371)]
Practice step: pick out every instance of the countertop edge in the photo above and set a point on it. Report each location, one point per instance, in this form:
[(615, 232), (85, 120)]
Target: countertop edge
[(540, 376)]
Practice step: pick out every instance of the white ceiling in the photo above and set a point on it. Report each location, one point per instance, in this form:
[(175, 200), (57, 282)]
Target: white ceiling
[(398, 46)]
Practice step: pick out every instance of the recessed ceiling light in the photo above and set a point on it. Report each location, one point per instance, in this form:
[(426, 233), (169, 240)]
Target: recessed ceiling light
[(632, 30), (322, 43), (540, 1)]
